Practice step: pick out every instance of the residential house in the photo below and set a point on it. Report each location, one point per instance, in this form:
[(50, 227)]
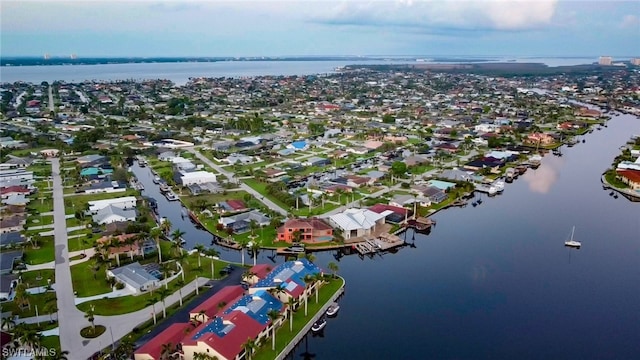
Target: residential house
[(357, 222), (433, 193), (357, 181), (127, 202), (232, 205), (14, 223), (91, 160), (630, 177), (120, 245), (239, 159), (221, 300), (105, 187), (113, 213), (316, 161), (395, 214), (167, 156), (540, 138), (455, 174), (241, 222), (300, 145), (310, 230), (11, 239), (408, 200), (135, 277), (8, 259), (196, 177), (9, 191), (15, 162)]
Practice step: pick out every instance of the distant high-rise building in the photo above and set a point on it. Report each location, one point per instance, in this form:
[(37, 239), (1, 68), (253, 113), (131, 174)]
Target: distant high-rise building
[(46, 56), (605, 60), (635, 61)]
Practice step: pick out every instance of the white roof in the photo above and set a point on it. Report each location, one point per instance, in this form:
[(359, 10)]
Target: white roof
[(353, 219), (100, 204), (198, 174)]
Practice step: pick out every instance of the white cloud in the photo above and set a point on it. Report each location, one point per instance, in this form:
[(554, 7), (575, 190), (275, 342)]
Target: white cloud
[(450, 14), (630, 22)]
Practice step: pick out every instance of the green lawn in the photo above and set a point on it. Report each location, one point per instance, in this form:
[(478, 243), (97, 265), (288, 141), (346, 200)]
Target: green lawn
[(38, 277), (84, 283), (44, 253), (262, 189), (612, 179), (40, 205), (38, 300), (83, 242), (211, 199), (38, 220), (51, 342), (127, 304), (284, 335)]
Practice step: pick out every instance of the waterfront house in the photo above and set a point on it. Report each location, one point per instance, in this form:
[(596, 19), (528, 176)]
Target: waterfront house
[(154, 349), (434, 194), (401, 200), (127, 202), (241, 222), (135, 277), (290, 277), (455, 174), (310, 230), (357, 222), (113, 213), (630, 177), (232, 205), (187, 178), (540, 138), (221, 300), (395, 214), (127, 244), (92, 160)]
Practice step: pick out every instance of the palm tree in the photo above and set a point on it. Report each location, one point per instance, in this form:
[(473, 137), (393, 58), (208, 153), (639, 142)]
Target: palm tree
[(243, 244), (31, 339), (58, 355), (212, 253), (197, 271), (8, 323), (274, 315), (90, 315), (167, 351), (180, 284), (200, 249), (290, 304), (318, 278), (51, 307), (307, 281), (125, 348), (166, 271), (21, 296), (152, 301), (334, 268), (255, 247), (176, 236), (155, 234), (182, 260), (163, 293), (249, 347), (165, 226), (202, 315)]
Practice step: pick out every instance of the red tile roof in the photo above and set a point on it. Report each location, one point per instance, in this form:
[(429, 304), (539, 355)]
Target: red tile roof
[(227, 295), (173, 334), (236, 204), (380, 208), (261, 270), (631, 175), (231, 344), (14, 189)]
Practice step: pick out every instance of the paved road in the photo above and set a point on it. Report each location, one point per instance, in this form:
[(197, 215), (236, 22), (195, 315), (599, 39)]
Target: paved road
[(51, 104), (70, 318), (232, 178)]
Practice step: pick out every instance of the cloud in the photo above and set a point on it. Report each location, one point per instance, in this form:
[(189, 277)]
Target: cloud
[(630, 22), (542, 180), (438, 15)]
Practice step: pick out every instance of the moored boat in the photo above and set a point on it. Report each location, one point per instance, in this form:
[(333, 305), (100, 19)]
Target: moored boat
[(333, 309), (319, 325), (171, 196)]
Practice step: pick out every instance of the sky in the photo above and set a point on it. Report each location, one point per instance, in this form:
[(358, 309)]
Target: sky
[(147, 28)]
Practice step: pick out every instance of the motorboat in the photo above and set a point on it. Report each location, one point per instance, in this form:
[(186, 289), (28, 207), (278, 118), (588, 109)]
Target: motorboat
[(156, 180), (333, 309), (319, 325), (171, 196)]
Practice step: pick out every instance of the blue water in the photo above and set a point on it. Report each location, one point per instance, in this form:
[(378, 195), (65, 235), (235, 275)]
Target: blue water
[(180, 73)]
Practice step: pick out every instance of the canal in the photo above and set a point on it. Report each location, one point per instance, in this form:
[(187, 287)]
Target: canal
[(495, 281)]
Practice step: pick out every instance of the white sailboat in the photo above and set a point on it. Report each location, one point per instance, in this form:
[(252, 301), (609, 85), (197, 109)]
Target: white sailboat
[(571, 242)]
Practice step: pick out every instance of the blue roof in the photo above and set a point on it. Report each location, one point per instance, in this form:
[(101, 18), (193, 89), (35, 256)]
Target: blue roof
[(299, 144), (215, 326), (256, 306), (289, 274)]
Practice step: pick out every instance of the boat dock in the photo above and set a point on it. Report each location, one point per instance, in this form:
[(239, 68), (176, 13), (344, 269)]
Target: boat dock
[(382, 242), (488, 189), (421, 223)]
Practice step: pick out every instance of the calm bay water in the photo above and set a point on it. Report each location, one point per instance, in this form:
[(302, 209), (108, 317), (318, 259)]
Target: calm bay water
[(496, 281), (493, 281), (180, 73)]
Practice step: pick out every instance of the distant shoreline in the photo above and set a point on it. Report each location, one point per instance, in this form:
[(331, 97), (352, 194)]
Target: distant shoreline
[(38, 61)]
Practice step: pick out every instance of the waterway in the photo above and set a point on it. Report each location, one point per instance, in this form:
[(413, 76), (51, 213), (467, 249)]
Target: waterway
[(495, 281), (180, 73)]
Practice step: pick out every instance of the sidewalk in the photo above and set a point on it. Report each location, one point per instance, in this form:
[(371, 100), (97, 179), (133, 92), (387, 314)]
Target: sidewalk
[(110, 295)]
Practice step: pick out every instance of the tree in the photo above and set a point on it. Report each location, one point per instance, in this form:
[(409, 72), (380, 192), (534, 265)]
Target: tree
[(163, 293), (308, 280), (176, 236), (197, 271), (21, 296), (180, 284), (255, 247), (398, 168), (333, 267), (388, 119), (155, 234), (249, 347), (273, 315), (212, 253), (318, 278), (165, 226), (291, 302), (200, 249), (8, 323), (152, 301), (51, 307), (90, 315)]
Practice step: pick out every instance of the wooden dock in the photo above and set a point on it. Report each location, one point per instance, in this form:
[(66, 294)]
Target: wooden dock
[(382, 242)]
